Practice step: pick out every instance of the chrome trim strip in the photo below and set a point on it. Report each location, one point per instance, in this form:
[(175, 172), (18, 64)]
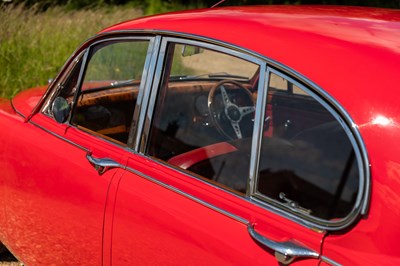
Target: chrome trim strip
[(329, 261), (145, 77), (111, 163), (114, 143), (258, 130), (87, 58), (47, 96), (87, 52), (122, 38), (296, 249), (84, 48), (146, 92), (219, 48), (250, 200), (159, 72), (19, 113), (150, 100), (324, 224), (271, 62), (186, 195), (285, 213), (311, 222), (102, 37), (350, 127), (79, 83), (64, 74), (60, 137)]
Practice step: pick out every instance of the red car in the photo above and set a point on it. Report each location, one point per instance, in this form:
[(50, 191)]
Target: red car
[(244, 135)]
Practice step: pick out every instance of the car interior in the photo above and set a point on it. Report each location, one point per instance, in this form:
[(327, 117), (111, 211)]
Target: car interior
[(204, 125), (107, 110)]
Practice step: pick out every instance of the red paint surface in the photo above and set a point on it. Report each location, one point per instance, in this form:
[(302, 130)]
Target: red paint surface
[(155, 224), (25, 101), (347, 51), (54, 198), (53, 203)]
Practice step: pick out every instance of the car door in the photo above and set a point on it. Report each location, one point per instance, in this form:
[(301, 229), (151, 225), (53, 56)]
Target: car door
[(55, 200), (229, 169), (70, 152)]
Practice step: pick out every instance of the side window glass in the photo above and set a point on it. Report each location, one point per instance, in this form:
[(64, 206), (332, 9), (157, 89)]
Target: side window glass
[(307, 161), (67, 87), (110, 87), (204, 115)]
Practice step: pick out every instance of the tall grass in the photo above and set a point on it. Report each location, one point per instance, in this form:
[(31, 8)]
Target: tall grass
[(34, 45), (161, 6)]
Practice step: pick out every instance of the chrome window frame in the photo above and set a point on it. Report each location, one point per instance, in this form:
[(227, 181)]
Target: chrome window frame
[(263, 199), (84, 55), (148, 101), (142, 138), (56, 84), (268, 65), (159, 72)]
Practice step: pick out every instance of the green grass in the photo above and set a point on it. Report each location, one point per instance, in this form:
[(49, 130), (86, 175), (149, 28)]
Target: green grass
[(35, 45), (118, 61)]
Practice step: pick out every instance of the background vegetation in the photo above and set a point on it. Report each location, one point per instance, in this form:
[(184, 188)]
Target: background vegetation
[(153, 6), (37, 36), (34, 45)]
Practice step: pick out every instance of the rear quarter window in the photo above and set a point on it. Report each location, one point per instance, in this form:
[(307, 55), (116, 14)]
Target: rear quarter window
[(308, 164)]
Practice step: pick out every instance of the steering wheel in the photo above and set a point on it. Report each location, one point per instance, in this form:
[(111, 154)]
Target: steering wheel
[(230, 104)]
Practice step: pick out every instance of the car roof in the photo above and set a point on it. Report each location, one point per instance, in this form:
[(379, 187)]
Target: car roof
[(353, 53)]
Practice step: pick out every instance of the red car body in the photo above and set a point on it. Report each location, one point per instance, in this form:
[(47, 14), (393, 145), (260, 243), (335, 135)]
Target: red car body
[(69, 195)]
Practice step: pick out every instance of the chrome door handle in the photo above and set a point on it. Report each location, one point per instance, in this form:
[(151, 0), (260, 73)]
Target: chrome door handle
[(285, 252), (102, 164)]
